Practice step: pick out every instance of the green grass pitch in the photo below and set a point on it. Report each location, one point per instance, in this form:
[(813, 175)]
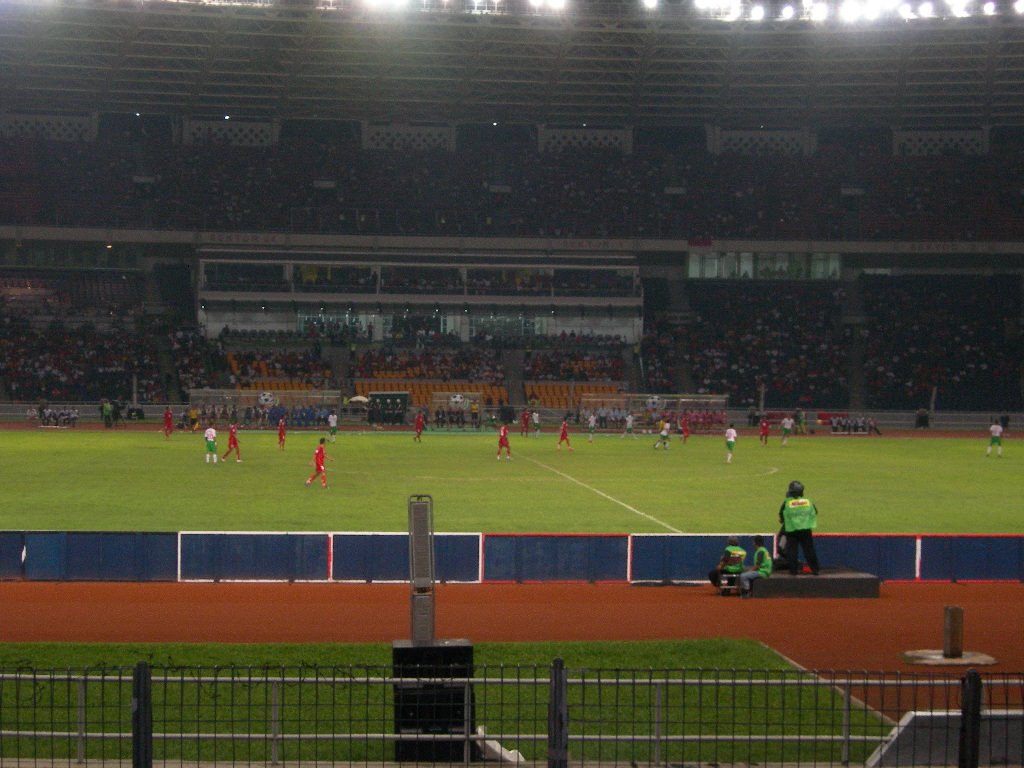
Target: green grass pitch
[(138, 481)]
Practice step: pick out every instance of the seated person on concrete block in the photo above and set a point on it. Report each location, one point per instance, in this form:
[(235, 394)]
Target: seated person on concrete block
[(761, 569), (730, 563)]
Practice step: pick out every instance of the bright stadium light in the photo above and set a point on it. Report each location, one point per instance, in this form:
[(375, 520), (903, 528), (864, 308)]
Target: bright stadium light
[(556, 5), (819, 12), (872, 10), (1019, 6), (850, 11), (926, 10), (989, 8), (757, 13), (906, 12), (650, 5), (787, 13)]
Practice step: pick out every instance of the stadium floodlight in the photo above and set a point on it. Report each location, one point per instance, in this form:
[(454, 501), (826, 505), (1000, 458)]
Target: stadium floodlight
[(850, 11), (536, 4), (819, 12), (926, 10), (871, 10), (1019, 6), (989, 8), (757, 13), (787, 12), (556, 5), (906, 12), (650, 5)]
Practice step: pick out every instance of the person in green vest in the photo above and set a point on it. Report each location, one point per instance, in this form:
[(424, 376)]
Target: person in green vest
[(730, 563), (761, 569), (799, 518)]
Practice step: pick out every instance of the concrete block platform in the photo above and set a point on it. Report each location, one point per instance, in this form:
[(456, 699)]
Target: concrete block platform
[(830, 583)]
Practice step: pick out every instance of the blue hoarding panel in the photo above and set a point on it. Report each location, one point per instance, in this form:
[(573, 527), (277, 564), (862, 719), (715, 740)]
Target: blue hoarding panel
[(45, 556), (555, 558), (385, 557), (673, 557), (157, 556), (10, 554), (457, 556), (249, 556), (500, 558), (887, 557), (371, 557), (85, 556), (965, 558), (121, 556), (666, 558)]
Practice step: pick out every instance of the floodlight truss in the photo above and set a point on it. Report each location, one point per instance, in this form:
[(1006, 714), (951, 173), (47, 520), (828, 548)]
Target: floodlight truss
[(614, 70)]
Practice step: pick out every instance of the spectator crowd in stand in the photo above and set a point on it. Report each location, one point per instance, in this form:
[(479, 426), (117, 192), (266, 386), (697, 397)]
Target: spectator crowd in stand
[(481, 365), (77, 363), (956, 334), (784, 337), (574, 365), (843, 191)]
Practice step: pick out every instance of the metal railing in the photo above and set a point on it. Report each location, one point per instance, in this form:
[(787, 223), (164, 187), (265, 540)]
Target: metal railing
[(514, 714)]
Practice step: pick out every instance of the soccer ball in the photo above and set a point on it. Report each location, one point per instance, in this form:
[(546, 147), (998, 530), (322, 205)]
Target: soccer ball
[(457, 400), (266, 398)]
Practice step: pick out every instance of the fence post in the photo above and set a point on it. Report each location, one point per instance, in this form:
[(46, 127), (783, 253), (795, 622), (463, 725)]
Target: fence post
[(275, 723), (657, 722), (558, 717), (142, 716), (80, 741), (844, 755), (970, 719)]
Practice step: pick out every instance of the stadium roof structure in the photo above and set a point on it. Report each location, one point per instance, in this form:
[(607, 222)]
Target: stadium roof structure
[(603, 65)]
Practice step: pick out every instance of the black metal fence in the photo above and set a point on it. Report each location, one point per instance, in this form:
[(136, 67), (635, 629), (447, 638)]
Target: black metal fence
[(512, 714)]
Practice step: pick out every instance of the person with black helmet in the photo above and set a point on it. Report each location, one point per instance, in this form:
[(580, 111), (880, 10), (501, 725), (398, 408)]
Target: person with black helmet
[(799, 518)]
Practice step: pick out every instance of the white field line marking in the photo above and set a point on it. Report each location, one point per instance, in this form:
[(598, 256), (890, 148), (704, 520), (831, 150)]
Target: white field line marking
[(602, 494)]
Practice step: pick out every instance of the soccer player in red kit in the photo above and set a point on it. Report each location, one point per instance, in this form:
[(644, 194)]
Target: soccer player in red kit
[(684, 427), (168, 422), (418, 426), (233, 444), (524, 423), (503, 443), (319, 457), (281, 432), (563, 435), (763, 433)]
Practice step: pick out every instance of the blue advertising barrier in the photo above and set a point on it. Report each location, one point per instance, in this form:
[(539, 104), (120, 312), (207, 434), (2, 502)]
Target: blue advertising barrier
[(555, 557), (122, 556), (75, 556), (11, 544), (967, 558), (887, 557), (385, 557), (681, 557), (254, 557), (106, 556)]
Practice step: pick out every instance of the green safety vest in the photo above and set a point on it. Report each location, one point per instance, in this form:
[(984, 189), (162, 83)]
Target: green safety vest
[(733, 561), (799, 515), (763, 561)]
